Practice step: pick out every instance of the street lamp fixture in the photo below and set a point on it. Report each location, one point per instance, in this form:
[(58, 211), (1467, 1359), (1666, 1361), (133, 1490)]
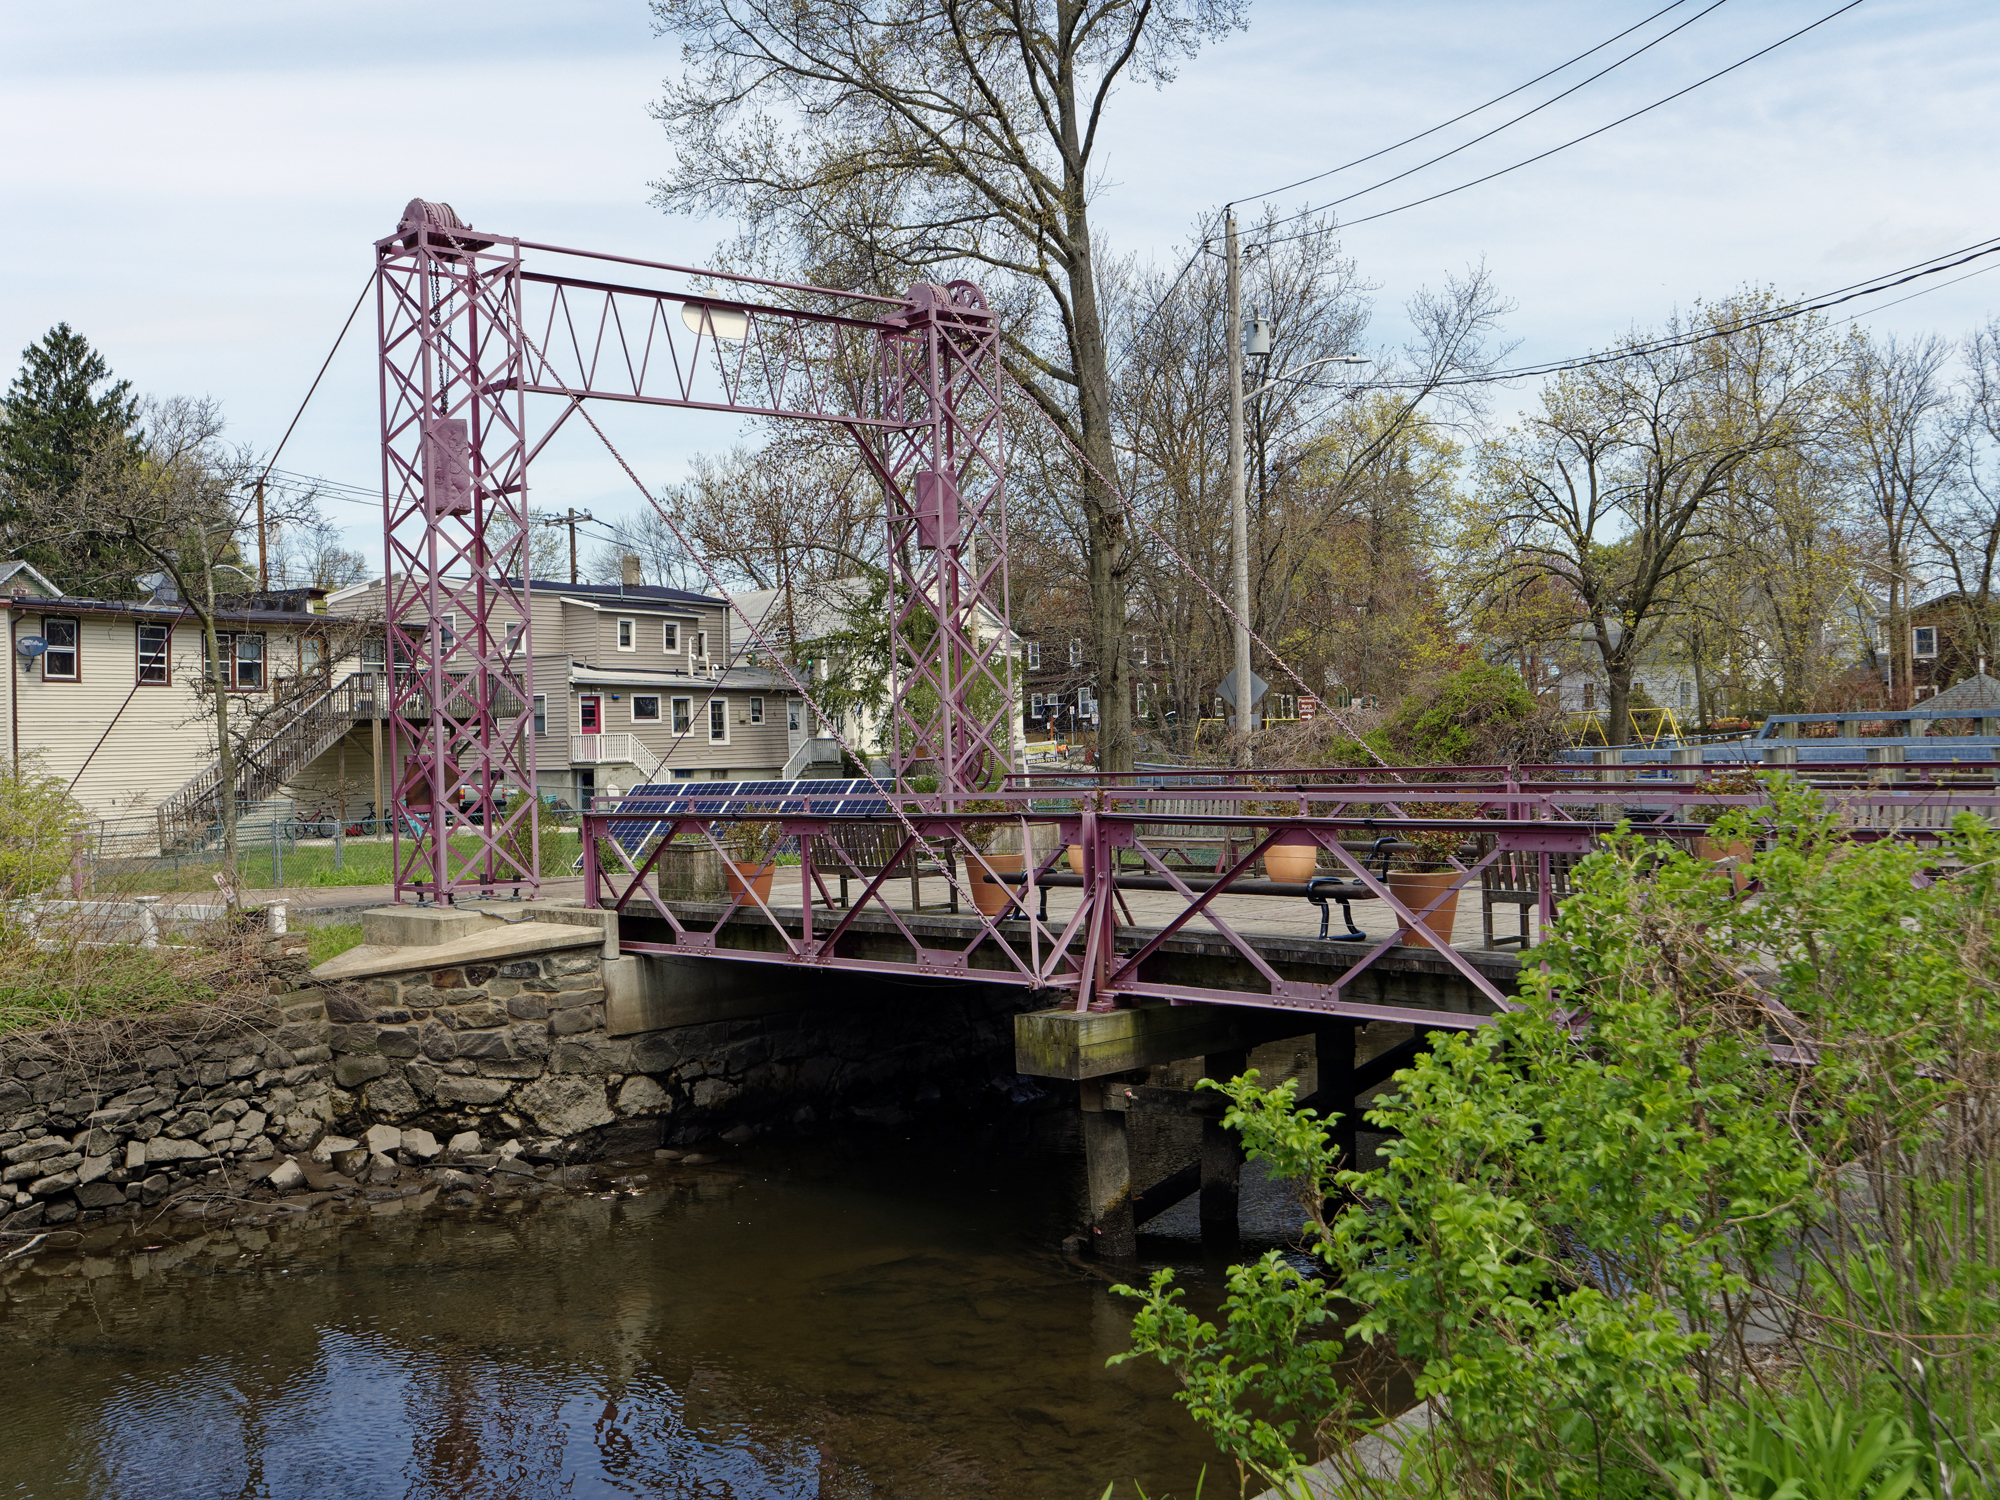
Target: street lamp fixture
[(1298, 370)]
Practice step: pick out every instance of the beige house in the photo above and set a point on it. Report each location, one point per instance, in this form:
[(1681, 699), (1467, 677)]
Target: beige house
[(632, 684), (636, 684), (111, 696)]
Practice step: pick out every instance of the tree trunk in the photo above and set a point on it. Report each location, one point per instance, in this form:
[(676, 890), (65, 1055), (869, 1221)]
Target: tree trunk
[(1618, 694), (225, 756), (1107, 561)]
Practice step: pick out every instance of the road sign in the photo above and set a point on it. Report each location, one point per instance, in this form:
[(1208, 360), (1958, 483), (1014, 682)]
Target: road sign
[(1227, 690), (1308, 707)]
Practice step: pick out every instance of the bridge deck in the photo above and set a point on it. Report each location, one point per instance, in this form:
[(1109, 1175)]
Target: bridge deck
[(1407, 984)]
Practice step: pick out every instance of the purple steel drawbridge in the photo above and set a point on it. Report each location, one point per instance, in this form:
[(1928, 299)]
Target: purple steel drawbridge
[(485, 358), (468, 333)]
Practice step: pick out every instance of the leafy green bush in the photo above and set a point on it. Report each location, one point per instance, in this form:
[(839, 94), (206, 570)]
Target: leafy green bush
[(1479, 715), (1727, 1184), (39, 823)]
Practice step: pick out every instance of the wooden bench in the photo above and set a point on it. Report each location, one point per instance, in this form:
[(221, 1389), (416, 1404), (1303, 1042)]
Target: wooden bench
[(867, 849)]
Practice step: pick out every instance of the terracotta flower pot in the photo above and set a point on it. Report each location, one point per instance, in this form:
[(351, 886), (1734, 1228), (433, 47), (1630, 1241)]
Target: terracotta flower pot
[(1416, 889), (991, 897), (750, 877), (1293, 862), (1714, 852), (1076, 859)]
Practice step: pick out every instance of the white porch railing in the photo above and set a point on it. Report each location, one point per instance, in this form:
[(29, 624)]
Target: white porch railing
[(613, 750)]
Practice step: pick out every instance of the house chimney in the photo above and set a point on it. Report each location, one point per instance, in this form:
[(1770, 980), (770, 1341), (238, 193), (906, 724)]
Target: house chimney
[(630, 575)]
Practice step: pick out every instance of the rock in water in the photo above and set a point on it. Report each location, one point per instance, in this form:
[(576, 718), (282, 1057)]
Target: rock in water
[(420, 1144), (331, 1146), (289, 1174), (465, 1143), (383, 1139)]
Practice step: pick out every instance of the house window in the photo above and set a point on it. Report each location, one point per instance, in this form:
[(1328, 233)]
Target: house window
[(718, 721), (541, 713), (155, 668), (1687, 693), (242, 661), (1075, 652), (1139, 650), (625, 641), (312, 655), (62, 662), (792, 717), (645, 708), (670, 638), (249, 661), (1035, 706), (683, 715), (701, 643), (756, 710), (1139, 697), (1923, 642), (1034, 656), (371, 655), (514, 634)]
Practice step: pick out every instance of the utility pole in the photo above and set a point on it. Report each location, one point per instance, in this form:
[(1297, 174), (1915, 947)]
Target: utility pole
[(263, 562), (574, 519), (1239, 509)]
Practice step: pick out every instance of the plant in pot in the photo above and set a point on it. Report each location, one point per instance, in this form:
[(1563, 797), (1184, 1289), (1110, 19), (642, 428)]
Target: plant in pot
[(1424, 870), (752, 853), (1289, 862), (1741, 783), (985, 858)]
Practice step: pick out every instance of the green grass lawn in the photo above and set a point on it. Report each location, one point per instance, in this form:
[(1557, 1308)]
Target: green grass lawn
[(363, 862), (331, 940)]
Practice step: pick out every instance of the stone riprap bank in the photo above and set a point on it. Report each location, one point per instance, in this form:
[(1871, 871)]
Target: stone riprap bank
[(512, 1022)]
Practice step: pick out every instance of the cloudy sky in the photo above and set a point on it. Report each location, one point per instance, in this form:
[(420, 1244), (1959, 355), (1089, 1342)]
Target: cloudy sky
[(195, 187)]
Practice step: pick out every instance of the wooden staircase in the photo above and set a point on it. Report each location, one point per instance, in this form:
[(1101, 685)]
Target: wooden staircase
[(190, 816)]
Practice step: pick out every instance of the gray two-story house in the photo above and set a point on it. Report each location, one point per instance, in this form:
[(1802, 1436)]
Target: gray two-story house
[(635, 683)]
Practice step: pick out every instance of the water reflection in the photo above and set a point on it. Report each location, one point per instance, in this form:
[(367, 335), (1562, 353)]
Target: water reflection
[(859, 1316)]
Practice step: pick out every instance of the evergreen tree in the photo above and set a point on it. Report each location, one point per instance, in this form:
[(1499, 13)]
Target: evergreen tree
[(61, 408)]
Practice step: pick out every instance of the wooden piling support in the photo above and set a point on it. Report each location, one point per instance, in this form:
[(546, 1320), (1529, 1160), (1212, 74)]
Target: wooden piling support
[(1334, 1043), (1221, 1163), (1108, 1166)]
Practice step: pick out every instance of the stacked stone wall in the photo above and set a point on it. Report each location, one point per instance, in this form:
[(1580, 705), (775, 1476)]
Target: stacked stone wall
[(513, 1050)]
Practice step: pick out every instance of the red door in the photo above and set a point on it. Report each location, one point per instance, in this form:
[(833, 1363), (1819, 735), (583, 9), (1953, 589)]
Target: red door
[(588, 708)]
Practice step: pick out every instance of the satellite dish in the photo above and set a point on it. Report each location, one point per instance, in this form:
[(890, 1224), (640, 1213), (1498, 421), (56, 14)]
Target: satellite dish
[(31, 646)]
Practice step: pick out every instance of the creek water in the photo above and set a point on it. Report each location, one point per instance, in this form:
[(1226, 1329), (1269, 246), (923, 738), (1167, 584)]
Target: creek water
[(866, 1312)]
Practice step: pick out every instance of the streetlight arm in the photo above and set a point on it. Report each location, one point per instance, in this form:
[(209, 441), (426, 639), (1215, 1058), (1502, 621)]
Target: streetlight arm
[(1293, 374)]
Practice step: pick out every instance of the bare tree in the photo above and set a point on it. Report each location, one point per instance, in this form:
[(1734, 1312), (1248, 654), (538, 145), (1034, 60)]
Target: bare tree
[(1328, 473), (868, 146), (1900, 449), (308, 551), (1962, 525), (1611, 488), (182, 505)]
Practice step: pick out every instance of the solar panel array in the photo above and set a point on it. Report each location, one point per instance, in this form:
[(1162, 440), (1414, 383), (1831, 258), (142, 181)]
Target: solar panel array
[(647, 812)]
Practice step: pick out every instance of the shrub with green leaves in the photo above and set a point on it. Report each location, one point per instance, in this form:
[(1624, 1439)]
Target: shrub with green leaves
[(1728, 1177), (39, 823)]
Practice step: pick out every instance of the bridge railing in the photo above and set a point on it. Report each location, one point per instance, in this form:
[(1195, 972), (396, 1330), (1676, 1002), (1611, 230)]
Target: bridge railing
[(1106, 844)]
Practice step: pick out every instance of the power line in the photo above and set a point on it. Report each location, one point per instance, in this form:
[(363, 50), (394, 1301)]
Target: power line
[(1875, 285), (1924, 293), (1508, 124), (1577, 141), (1477, 109)]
